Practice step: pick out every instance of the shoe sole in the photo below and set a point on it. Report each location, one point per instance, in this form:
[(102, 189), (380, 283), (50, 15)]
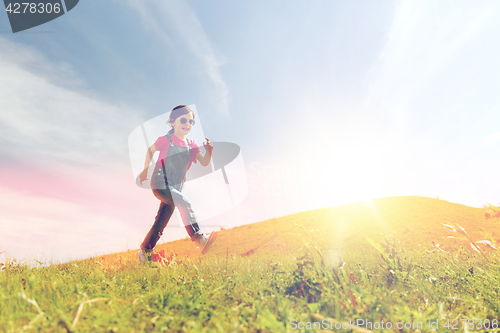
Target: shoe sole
[(140, 258), (211, 239), (146, 260)]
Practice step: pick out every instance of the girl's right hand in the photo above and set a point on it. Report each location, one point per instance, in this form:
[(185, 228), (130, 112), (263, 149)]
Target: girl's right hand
[(143, 176)]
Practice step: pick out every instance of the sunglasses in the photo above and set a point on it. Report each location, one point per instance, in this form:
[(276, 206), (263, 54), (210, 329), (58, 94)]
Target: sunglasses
[(184, 120)]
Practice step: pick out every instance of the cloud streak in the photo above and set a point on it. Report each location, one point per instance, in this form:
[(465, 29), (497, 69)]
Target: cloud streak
[(177, 25), (42, 120)]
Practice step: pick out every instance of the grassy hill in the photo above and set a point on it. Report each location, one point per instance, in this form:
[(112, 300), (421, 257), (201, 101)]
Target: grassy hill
[(416, 221), (398, 267)]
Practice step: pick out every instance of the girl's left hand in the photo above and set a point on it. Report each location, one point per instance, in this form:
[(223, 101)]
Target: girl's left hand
[(209, 146)]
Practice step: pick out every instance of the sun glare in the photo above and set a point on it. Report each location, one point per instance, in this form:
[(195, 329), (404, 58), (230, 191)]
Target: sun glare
[(355, 175)]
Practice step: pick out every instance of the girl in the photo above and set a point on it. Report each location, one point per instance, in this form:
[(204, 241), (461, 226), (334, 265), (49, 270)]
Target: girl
[(176, 155)]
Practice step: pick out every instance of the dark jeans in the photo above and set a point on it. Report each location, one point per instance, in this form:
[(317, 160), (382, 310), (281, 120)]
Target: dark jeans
[(170, 198)]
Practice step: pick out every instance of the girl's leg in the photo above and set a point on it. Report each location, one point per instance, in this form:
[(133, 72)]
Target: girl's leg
[(187, 214), (162, 217)]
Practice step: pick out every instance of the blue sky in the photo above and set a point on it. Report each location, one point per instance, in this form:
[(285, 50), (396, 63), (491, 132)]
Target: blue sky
[(331, 102)]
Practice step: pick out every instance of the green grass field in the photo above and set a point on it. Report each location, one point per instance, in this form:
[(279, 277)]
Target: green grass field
[(383, 286), (252, 294)]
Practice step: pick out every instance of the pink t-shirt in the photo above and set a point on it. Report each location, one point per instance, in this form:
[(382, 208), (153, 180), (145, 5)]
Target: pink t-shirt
[(162, 144)]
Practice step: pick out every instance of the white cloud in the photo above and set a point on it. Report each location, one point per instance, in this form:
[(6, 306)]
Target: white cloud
[(178, 17), (69, 191), (42, 119), (34, 226)]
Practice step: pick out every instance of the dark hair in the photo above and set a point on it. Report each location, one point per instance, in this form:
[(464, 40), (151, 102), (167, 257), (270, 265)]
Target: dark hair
[(176, 112)]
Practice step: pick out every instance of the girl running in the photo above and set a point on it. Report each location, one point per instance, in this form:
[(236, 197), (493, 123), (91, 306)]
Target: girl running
[(177, 153)]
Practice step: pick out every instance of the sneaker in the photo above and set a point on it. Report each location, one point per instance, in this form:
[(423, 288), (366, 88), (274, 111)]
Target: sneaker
[(143, 256), (204, 242)]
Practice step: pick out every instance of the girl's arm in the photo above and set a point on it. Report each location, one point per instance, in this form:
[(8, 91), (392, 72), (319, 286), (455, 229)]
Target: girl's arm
[(204, 160), (147, 162)]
